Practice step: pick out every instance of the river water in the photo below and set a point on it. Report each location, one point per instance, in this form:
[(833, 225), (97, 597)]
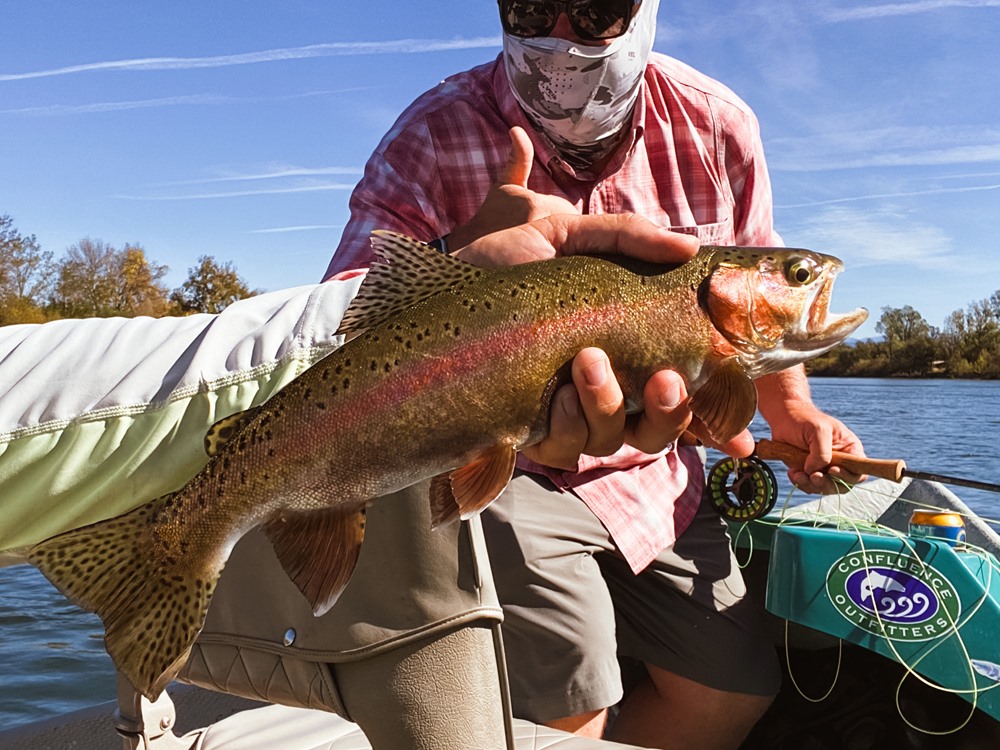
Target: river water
[(52, 658)]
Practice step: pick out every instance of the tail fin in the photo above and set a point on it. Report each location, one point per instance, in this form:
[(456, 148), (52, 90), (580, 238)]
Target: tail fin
[(152, 605)]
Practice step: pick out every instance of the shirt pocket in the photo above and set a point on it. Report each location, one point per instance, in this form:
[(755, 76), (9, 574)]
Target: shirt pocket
[(718, 233)]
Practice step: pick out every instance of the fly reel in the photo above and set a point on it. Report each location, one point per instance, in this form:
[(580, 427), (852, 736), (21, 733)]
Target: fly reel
[(742, 489)]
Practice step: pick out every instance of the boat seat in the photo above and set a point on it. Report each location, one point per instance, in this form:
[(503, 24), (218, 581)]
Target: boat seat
[(410, 657), (279, 727)]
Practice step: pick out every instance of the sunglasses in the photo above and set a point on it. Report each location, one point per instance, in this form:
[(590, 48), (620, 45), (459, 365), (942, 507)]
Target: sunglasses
[(592, 20)]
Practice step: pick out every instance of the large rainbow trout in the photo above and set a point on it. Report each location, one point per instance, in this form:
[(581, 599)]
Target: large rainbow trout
[(450, 372)]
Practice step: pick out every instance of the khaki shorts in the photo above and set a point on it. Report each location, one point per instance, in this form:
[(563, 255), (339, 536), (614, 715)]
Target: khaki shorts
[(572, 606)]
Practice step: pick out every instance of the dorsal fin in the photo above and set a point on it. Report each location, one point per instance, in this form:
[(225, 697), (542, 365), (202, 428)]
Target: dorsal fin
[(410, 272), (223, 431)]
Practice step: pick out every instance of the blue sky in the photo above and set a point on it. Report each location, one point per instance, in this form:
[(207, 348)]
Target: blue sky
[(238, 129)]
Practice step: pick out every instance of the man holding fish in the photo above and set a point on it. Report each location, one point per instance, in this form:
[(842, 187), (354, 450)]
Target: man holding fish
[(601, 545), (602, 549)]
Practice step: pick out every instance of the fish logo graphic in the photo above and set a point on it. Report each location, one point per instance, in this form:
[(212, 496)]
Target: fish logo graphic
[(894, 595)]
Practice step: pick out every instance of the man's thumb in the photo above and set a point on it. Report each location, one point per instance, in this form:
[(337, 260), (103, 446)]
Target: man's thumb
[(519, 162)]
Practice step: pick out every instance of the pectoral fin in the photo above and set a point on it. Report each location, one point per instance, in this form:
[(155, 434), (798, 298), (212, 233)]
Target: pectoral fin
[(727, 402), (466, 491), (319, 551)]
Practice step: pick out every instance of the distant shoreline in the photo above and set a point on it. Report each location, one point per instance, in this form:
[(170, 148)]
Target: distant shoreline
[(901, 376)]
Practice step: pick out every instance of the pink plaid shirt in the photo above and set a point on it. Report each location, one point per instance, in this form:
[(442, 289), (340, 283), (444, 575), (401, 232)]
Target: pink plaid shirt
[(694, 163)]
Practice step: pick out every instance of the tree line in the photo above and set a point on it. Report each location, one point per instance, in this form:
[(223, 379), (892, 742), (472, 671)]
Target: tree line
[(967, 347), (95, 279)]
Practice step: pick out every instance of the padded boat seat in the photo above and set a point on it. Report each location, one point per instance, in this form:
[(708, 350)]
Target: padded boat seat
[(282, 727)]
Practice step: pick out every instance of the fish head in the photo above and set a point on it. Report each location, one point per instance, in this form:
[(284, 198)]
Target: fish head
[(772, 305)]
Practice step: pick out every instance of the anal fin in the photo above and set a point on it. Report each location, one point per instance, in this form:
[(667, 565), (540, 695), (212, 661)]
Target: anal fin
[(466, 491), (727, 402), (319, 551)]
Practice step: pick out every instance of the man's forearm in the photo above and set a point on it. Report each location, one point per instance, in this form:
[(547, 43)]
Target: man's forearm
[(775, 391)]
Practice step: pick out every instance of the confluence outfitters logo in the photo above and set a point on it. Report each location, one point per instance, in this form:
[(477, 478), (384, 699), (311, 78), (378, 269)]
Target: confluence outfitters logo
[(893, 594)]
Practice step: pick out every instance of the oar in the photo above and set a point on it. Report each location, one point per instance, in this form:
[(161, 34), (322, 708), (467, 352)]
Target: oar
[(892, 469)]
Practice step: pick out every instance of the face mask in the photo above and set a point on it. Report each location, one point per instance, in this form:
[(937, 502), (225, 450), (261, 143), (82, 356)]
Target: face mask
[(581, 96)]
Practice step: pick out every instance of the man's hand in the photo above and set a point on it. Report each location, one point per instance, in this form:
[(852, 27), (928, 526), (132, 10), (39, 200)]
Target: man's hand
[(589, 415), (510, 202), (794, 419)]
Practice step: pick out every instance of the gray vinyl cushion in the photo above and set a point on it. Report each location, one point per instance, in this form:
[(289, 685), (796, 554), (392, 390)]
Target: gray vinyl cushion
[(285, 728)]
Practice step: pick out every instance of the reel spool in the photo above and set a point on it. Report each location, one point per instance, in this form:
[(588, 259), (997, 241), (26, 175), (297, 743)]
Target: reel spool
[(742, 489)]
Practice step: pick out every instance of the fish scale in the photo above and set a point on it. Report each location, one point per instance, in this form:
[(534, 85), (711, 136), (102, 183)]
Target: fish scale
[(449, 373)]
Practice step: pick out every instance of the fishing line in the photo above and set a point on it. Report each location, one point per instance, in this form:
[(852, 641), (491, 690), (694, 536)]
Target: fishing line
[(791, 676), (953, 635), (911, 668)]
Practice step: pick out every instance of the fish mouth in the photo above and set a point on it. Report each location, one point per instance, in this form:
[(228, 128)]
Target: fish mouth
[(818, 329)]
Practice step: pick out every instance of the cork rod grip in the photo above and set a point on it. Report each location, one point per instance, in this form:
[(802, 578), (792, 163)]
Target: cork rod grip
[(876, 467)]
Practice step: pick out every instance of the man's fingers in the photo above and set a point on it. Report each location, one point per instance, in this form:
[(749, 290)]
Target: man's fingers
[(740, 446), (665, 414), (627, 234), (602, 402), (567, 437), (519, 162)]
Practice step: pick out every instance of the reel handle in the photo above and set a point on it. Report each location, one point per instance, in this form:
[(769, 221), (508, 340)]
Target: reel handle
[(885, 468)]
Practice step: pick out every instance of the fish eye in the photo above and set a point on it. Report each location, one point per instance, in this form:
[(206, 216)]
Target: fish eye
[(801, 271)]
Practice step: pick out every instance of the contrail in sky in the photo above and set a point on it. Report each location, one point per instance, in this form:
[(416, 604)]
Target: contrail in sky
[(275, 174), (251, 58), (52, 110), (243, 193), (880, 196), (904, 9), (302, 228)]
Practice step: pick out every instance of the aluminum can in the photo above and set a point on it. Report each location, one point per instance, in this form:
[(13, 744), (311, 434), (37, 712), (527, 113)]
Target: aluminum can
[(935, 524)]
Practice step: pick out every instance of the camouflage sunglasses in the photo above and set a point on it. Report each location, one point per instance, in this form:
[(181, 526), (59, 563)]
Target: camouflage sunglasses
[(591, 19)]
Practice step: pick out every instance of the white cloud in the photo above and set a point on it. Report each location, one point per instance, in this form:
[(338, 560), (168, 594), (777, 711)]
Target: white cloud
[(902, 9), (874, 237), (401, 46), (902, 146)]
